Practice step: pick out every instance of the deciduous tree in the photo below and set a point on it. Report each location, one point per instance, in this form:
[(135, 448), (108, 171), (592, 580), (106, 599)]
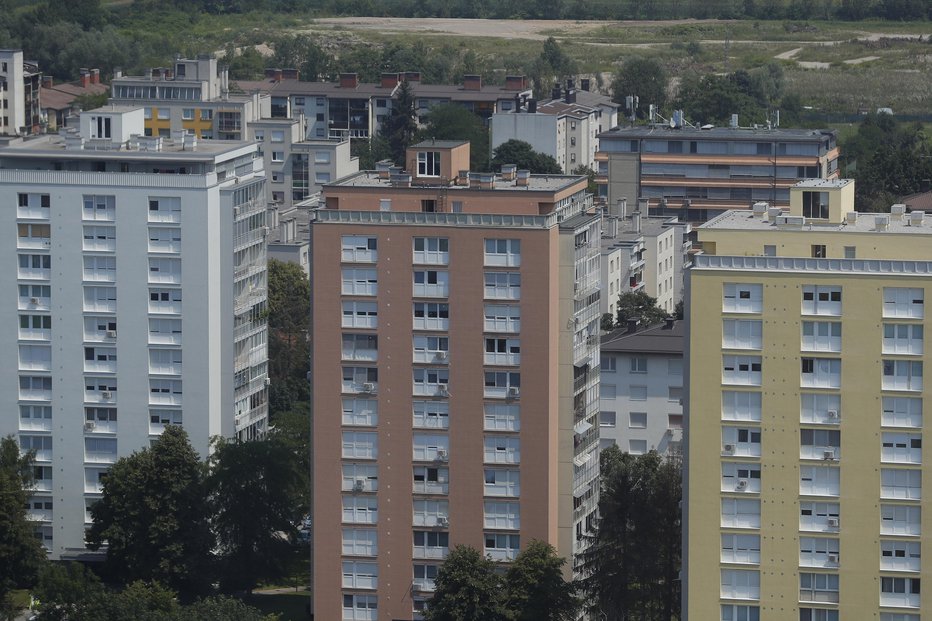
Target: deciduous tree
[(454, 122), (523, 155), (400, 127), (638, 305), (467, 587), (535, 589), (644, 78), (289, 316)]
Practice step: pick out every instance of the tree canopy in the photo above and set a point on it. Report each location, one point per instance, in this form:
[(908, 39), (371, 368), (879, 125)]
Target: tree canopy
[(400, 127), (289, 350), (523, 155), (466, 587), (644, 78), (638, 305), (21, 554), (153, 517), (454, 122), (535, 589), (631, 567)]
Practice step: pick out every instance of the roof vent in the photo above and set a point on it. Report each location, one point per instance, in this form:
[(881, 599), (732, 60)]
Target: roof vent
[(760, 209), (851, 217), (773, 213), (897, 209), (523, 178), (509, 171), (917, 218), (401, 180), (881, 222), (383, 168), (790, 221)]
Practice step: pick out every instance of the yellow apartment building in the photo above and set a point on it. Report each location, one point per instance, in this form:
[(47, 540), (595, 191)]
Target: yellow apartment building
[(804, 467)]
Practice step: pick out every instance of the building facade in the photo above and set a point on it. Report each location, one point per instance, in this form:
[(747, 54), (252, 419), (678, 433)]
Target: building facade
[(139, 271), (804, 478), (459, 342), (19, 95), (641, 392), (699, 173)]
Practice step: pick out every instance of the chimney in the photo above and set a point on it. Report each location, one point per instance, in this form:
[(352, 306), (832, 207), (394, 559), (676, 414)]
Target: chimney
[(643, 205), (47, 81), (95, 76), (401, 180), (584, 84), (277, 75), (570, 96), (633, 324), (515, 82), (412, 76), (570, 84), (925, 185), (167, 75), (462, 178), (523, 178), (472, 82), (532, 106), (668, 323), (389, 80), (555, 91), (486, 181), (85, 78), (349, 80), (622, 211), (509, 171), (269, 72), (383, 167), (636, 220), (291, 74)]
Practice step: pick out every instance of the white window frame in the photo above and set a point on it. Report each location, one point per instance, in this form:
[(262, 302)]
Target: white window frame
[(741, 405), (903, 303), (821, 300), (742, 333), (742, 298)]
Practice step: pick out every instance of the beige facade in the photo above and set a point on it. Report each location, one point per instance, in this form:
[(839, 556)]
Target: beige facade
[(804, 465), (447, 338)]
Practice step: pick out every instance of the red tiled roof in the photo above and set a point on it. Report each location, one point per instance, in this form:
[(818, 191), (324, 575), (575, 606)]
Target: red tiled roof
[(60, 96)]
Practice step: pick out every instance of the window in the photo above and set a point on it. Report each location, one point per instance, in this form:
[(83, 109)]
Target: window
[(502, 547), (899, 591), (638, 365), (431, 283), (430, 447), (740, 548), (821, 336), (903, 448), (278, 135), (900, 520), (502, 417), (428, 164), (608, 363), (901, 338), (502, 483), (819, 480), (360, 477), (901, 484), (821, 300), (817, 614), (637, 447), (358, 575), (358, 314), (740, 584), (102, 450), (741, 441), (187, 114), (819, 444), (358, 281), (742, 370), (742, 298), (502, 318), (902, 375), (815, 205), (502, 515), (734, 612), (360, 347), (360, 445), (741, 405), (770, 250), (424, 576), (740, 513), (161, 209), (819, 516), (903, 303), (360, 542), (675, 394), (431, 480), (607, 419), (818, 587), (278, 156), (818, 551), (360, 412), (637, 420), (635, 393), (820, 372), (431, 316), (36, 358), (503, 285), (502, 450), (850, 252), (500, 383), (431, 382), (742, 334), (431, 512), (502, 252), (321, 177), (740, 477), (431, 250), (902, 412), (818, 251), (431, 414), (431, 544), (900, 555)]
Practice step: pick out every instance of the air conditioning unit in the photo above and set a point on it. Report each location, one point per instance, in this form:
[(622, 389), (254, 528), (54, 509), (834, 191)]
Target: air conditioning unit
[(442, 355), (33, 300), (111, 334), (359, 485), (368, 387), (443, 521), (443, 390), (833, 558), (742, 484), (106, 395), (833, 522), (728, 449), (89, 426), (442, 455), (514, 391), (828, 454), (832, 414), (268, 381), (265, 230)]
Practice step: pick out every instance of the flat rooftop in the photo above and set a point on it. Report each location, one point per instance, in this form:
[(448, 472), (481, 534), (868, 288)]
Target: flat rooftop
[(536, 183), (629, 232), (744, 220), (824, 184), (53, 146), (716, 133), (660, 338)]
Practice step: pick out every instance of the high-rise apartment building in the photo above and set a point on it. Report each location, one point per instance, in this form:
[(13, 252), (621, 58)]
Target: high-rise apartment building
[(136, 295), (804, 481), (455, 374), (19, 94)]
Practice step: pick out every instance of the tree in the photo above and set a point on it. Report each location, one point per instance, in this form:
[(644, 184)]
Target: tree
[(289, 351), (631, 565), (67, 592), (589, 173), (466, 588), (153, 517), (638, 305), (256, 492), (401, 125), (21, 554), (523, 155), (644, 78), (535, 589), (558, 60), (607, 323), (302, 52), (454, 122)]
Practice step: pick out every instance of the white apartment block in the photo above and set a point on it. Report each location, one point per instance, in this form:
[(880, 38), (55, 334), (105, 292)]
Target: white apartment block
[(19, 94), (641, 390), (136, 280)]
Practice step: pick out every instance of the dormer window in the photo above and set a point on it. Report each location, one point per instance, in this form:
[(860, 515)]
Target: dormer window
[(428, 164)]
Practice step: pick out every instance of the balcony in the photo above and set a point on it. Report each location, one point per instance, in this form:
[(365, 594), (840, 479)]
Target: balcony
[(170, 368), (431, 290), (99, 245), (99, 457), (502, 324), (34, 394), (33, 243), (428, 356), (423, 389), (430, 552), (98, 275), (424, 585), (502, 359), (164, 398), (100, 396), (33, 273), (431, 323), (498, 554), (164, 338), (173, 247), (431, 487), (35, 424), (39, 515), (360, 355), (100, 426), (30, 303), (351, 387), (822, 453), (160, 307)]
